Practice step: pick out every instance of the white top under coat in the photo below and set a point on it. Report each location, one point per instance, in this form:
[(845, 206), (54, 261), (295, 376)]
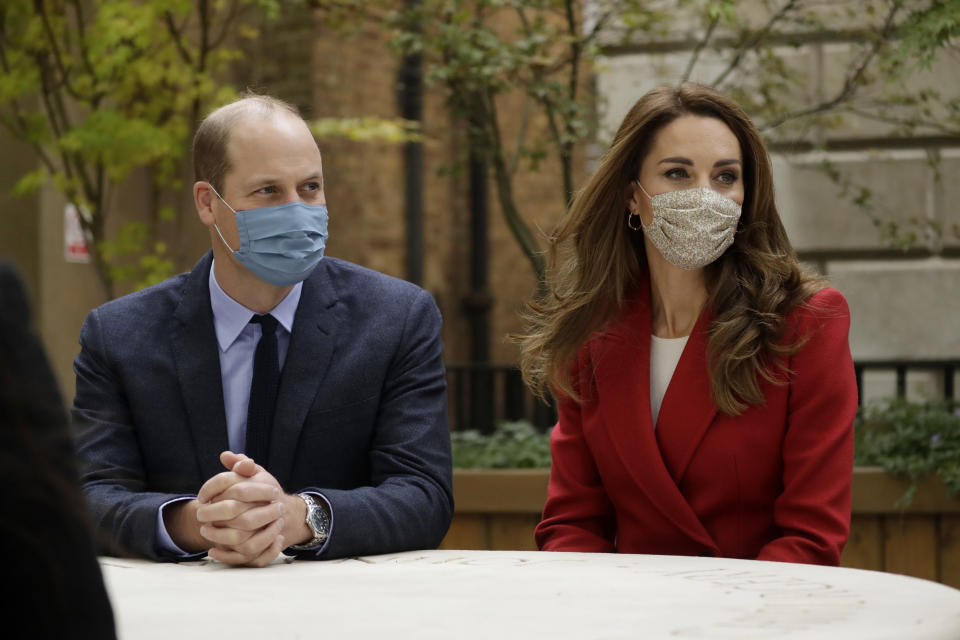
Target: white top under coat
[(664, 355)]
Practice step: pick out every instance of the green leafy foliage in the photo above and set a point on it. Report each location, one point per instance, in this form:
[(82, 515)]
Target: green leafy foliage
[(514, 445), (30, 182), (101, 88), (131, 257), (927, 30), (911, 440), (367, 129)]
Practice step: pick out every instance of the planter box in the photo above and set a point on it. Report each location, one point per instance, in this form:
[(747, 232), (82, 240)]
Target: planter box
[(499, 508), (496, 508)]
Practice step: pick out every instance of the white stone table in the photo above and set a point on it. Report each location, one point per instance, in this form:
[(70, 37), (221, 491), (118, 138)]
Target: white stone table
[(506, 594)]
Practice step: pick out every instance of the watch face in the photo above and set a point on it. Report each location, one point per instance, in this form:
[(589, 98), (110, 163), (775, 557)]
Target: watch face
[(319, 522)]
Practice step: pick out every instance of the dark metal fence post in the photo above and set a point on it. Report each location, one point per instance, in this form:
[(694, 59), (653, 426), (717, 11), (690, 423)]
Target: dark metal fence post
[(478, 303), (410, 97)]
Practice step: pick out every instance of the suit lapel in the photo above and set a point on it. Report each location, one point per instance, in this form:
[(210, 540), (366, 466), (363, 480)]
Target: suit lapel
[(688, 408), (197, 358), (312, 344), (621, 359)]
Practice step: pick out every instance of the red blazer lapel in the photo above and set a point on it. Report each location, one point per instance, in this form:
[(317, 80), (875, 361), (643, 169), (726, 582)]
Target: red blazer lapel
[(688, 408), (621, 361)]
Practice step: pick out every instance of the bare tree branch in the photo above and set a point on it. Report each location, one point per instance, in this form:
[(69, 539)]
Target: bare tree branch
[(582, 42), (73, 167), (177, 37), (18, 125), (598, 27), (225, 26), (854, 78), (905, 122), (52, 40), (753, 40), (56, 117), (514, 163), (541, 73), (699, 48), (81, 21), (504, 185), (18, 129), (576, 50)]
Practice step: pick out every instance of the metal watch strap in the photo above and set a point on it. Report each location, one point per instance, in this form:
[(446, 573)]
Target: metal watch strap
[(317, 521)]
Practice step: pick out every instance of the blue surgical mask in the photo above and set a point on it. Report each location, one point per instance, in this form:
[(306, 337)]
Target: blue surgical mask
[(280, 245)]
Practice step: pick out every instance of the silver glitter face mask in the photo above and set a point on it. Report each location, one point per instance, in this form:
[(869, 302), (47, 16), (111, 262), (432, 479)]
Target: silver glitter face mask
[(690, 228)]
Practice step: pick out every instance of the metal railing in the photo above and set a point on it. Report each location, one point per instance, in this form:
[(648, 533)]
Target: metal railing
[(944, 372), (481, 396)]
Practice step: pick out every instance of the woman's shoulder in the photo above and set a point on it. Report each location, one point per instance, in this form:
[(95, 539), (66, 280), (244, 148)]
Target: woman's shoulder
[(825, 302), (824, 307), (827, 297)]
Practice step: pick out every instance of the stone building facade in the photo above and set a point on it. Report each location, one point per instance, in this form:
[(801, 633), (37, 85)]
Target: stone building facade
[(905, 304)]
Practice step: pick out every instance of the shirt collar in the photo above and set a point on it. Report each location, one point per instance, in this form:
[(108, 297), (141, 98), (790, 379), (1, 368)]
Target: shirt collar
[(230, 317)]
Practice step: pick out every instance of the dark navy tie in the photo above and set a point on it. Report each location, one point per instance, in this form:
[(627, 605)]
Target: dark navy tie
[(263, 390)]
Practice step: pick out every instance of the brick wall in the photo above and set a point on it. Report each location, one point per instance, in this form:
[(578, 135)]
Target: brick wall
[(353, 73)]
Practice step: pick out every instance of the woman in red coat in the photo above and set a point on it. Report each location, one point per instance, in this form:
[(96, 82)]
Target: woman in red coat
[(705, 385)]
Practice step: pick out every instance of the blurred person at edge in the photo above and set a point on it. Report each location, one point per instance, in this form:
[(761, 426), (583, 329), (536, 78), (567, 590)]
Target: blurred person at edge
[(54, 587), (352, 454), (705, 385)]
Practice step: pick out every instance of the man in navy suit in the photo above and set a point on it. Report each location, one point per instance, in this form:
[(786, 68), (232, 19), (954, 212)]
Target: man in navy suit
[(269, 400)]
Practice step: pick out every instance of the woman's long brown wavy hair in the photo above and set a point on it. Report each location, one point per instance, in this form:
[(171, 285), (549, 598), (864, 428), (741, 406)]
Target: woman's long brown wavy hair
[(596, 262)]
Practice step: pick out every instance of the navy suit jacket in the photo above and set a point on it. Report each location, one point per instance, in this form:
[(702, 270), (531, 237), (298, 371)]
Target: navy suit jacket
[(361, 411)]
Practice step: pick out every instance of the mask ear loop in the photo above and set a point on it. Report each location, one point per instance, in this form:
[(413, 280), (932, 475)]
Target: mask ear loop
[(215, 225), (634, 221)]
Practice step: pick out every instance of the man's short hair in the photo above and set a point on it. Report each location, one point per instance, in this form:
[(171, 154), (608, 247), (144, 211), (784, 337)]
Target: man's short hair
[(210, 161)]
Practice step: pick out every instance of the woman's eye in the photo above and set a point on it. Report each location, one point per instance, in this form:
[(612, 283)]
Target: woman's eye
[(267, 190), (727, 177), (676, 173), (312, 186)]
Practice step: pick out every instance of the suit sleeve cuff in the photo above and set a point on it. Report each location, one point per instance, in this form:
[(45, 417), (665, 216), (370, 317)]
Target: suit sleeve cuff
[(165, 545)]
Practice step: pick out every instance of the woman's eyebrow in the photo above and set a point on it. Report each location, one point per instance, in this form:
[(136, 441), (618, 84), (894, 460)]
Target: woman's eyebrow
[(677, 160), (689, 162)]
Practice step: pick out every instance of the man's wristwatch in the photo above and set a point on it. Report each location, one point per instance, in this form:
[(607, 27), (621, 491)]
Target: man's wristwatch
[(318, 521)]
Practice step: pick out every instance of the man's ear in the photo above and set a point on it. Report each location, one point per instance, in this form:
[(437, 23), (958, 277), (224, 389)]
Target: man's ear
[(203, 198)]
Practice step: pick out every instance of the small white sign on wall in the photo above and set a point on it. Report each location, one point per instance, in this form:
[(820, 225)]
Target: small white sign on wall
[(74, 239)]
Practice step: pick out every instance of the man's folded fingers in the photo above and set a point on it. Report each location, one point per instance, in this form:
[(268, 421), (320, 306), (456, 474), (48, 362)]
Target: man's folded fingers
[(270, 554), (217, 485), (221, 511), (227, 556), (255, 550), (250, 492), (256, 517), (225, 537)]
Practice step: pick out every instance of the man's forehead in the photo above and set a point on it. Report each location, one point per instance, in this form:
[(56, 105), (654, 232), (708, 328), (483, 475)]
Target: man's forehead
[(253, 127), (273, 148)]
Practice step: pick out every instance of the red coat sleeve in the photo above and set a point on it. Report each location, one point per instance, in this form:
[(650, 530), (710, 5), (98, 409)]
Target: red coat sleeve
[(813, 511), (578, 515)]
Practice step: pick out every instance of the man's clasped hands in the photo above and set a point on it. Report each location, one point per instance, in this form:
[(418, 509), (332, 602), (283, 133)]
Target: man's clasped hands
[(241, 516)]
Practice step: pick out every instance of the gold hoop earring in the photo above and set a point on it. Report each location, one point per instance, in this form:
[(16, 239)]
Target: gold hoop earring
[(634, 221)]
